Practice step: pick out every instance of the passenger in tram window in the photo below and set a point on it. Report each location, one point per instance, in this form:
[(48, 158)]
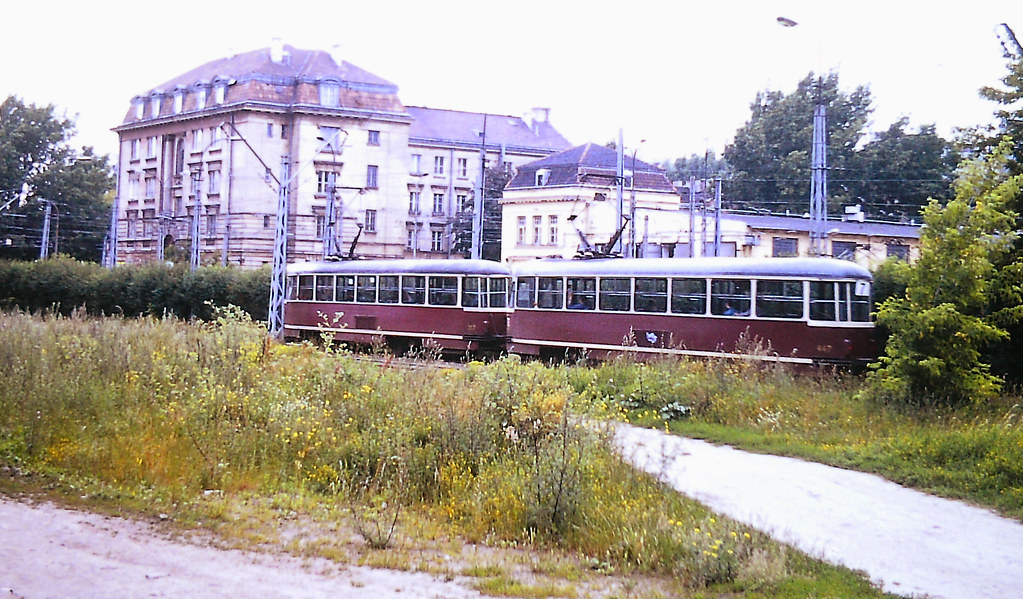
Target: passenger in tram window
[(729, 310), (577, 303)]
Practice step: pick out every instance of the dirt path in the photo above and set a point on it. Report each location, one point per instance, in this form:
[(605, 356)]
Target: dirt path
[(47, 551), (912, 543)]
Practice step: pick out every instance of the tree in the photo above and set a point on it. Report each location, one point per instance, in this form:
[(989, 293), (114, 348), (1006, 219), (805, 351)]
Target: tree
[(37, 166), (1011, 116), (896, 173), (947, 318), (695, 166), (770, 156)]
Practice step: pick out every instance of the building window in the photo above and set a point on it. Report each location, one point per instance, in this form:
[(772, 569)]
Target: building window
[(196, 140), (179, 100), (154, 107), (438, 203), (412, 239), (552, 223), (542, 175), (140, 108), (371, 176), (323, 179), (413, 202), (284, 132), (373, 138), (438, 165), (464, 205), (784, 247), (371, 221), (133, 224), (437, 241), (898, 250), (267, 221), (220, 93), (133, 187), (463, 167), (520, 237), (321, 225), (214, 187), (134, 151), (507, 166), (843, 250), (200, 98), (270, 130), (537, 225), (329, 95), (151, 147), (211, 223), (150, 188), (417, 165)]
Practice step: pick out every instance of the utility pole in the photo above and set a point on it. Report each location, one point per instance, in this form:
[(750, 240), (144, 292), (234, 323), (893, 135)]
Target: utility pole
[(478, 201), (819, 179), (44, 246), (280, 263), (196, 209), (620, 180), (330, 217), (717, 216)]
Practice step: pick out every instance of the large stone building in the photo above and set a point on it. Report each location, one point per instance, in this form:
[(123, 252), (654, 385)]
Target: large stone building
[(202, 155)]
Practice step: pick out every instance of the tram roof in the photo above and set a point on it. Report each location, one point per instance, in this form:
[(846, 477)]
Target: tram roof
[(813, 268), (400, 266)]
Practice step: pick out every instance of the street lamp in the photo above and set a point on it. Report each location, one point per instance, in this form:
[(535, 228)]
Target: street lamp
[(818, 162)]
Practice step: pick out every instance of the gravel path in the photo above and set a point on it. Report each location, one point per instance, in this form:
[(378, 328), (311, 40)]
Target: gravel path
[(912, 543), (50, 552)]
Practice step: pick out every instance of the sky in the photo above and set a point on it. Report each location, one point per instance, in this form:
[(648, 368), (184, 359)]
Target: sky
[(676, 78)]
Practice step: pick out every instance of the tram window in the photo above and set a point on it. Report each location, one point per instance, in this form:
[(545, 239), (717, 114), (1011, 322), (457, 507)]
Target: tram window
[(498, 292), (366, 289), (822, 300), (344, 289), (582, 293), (474, 292), (525, 292), (550, 292), (325, 288), (730, 297), (861, 301), (689, 296), (305, 287), (616, 294), (651, 295), (291, 288), (413, 289), (780, 299), (388, 293), (843, 302), (444, 291)]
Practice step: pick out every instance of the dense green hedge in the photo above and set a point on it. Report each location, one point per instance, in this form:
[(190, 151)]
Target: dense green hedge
[(63, 285)]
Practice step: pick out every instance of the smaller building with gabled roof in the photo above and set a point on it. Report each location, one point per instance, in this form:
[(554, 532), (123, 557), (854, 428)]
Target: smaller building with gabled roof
[(577, 200)]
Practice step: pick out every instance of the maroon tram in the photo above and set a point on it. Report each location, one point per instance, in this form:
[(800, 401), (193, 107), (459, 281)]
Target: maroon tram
[(809, 310), (452, 305)]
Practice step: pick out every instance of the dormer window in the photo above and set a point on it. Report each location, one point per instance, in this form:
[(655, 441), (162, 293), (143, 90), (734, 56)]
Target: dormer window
[(179, 100), (329, 94), (220, 92), (154, 106), (140, 108), (200, 97), (542, 176)]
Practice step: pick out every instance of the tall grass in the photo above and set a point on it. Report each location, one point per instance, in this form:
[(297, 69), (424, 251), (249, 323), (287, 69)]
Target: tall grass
[(502, 453)]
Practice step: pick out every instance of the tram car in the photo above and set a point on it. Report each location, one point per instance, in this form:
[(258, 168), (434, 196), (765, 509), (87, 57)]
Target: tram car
[(802, 310), (452, 305)]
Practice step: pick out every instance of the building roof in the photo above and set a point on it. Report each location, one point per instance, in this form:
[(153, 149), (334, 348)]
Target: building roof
[(590, 164), (255, 77), (464, 129), (795, 223)]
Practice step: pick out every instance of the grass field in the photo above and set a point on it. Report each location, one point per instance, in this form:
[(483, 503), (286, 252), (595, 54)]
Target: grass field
[(502, 472)]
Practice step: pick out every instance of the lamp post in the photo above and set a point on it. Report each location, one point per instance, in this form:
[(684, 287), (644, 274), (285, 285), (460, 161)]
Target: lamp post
[(818, 162)]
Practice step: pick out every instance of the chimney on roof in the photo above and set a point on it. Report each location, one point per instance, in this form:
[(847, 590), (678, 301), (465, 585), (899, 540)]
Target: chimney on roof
[(537, 117), (335, 53), (277, 50)]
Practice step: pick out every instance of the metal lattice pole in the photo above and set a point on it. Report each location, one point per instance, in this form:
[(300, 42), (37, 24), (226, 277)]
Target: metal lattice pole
[(44, 247), (277, 279), (819, 184), (196, 209), (330, 219)]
